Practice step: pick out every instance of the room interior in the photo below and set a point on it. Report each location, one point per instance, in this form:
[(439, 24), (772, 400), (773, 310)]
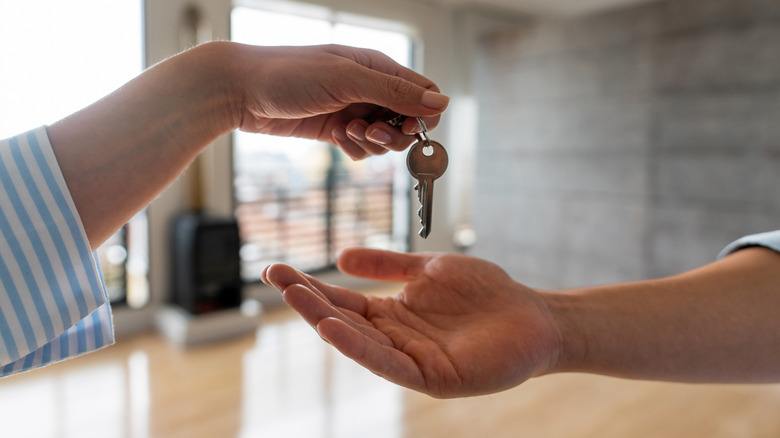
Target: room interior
[(590, 142)]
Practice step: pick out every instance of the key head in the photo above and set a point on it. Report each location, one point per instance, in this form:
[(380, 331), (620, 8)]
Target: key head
[(427, 160)]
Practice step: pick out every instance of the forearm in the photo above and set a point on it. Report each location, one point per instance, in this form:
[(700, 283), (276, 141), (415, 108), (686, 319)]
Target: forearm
[(718, 323), (119, 153)]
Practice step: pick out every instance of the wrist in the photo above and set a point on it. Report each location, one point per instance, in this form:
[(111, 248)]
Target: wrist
[(117, 154), (216, 84), (566, 309), (618, 329)]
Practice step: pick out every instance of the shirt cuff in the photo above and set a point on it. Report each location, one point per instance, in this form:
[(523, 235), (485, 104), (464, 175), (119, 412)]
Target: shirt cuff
[(90, 334), (53, 303), (770, 240)]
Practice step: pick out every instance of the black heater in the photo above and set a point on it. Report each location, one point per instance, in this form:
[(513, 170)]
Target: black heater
[(205, 263)]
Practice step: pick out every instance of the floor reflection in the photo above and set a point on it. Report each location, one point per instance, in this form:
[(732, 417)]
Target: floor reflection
[(85, 402), (285, 382), (295, 385), (282, 382), (139, 394)]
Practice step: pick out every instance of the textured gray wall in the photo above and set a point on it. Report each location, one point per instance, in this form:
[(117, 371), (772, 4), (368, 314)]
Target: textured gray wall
[(628, 145)]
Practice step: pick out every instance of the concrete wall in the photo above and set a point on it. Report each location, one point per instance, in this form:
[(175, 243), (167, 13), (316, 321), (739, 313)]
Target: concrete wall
[(627, 145)]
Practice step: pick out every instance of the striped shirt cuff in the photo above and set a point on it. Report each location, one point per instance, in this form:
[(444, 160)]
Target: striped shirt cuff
[(53, 304)]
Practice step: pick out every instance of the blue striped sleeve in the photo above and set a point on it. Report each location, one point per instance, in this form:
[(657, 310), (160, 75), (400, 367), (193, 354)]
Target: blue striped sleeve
[(53, 304)]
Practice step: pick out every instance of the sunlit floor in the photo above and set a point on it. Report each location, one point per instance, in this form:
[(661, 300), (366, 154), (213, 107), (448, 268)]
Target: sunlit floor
[(285, 382)]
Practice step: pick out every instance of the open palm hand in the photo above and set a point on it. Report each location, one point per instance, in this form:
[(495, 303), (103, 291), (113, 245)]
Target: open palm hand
[(461, 326)]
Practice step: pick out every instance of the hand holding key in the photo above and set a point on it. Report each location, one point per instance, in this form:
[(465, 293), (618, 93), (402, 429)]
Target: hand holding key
[(460, 327), (327, 93)]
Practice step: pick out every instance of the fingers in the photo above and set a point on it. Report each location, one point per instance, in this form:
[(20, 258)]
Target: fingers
[(383, 360), (314, 308), (395, 93), (357, 130), (342, 140), (382, 265), (281, 276), (308, 304), (325, 92), (372, 77), (386, 83), (361, 139)]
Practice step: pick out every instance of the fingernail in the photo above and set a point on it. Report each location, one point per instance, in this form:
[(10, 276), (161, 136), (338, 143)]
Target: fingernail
[(357, 133), (380, 137), (434, 100), (340, 134)]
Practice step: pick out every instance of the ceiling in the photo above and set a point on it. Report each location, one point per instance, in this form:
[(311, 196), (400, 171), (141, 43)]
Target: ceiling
[(545, 7)]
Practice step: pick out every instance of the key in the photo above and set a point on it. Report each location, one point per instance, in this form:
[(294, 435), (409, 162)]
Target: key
[(427, 161)]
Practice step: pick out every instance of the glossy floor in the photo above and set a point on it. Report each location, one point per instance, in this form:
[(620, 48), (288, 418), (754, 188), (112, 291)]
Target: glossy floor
[(285, 382)]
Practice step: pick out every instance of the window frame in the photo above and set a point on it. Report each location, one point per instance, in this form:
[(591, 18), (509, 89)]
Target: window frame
[(396, 189)]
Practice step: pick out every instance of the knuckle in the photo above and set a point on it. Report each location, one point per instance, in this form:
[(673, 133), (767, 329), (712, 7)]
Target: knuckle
[(399, 87)]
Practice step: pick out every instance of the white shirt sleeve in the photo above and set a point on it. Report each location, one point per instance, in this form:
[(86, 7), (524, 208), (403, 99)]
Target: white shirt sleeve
[(769, 240), (53, 303)]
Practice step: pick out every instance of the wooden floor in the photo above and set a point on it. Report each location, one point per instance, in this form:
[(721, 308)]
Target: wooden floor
[(285, 382)]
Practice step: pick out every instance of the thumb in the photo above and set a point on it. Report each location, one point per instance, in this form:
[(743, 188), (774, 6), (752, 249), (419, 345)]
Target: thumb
[(381, 265), (396, 93)]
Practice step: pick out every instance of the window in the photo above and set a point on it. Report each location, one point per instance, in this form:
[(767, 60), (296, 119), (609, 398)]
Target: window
[(301, 201), (57, 58)]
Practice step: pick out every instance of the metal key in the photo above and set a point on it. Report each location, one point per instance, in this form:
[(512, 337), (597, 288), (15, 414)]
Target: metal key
[(427, 160)]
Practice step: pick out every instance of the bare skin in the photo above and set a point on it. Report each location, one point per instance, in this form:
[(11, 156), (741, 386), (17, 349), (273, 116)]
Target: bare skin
[(119, 153), (463, 327)]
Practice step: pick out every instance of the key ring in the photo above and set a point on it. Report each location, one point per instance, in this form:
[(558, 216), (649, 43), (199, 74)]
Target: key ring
[(423, 136)]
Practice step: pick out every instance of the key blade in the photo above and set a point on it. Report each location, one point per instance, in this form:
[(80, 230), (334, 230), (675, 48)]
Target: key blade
[(426, 188), (420, 187)]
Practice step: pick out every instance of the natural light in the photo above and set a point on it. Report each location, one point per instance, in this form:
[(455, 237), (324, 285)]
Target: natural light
[(277, 179), (59, 56)]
